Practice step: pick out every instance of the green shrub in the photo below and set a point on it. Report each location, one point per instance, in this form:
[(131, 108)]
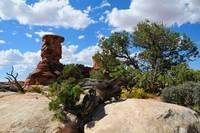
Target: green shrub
[(178, 74), (36, 89), (187, 94), (124, 72), (134, 93), (64, 97), (65, 92), (71, 70), (97, 74)]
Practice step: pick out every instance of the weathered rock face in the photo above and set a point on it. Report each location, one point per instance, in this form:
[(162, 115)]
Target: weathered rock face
[(49, 67), (143, 116), (29, 113), (26, 114)]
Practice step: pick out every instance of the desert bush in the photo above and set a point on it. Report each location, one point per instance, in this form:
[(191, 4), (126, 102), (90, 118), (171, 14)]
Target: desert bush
[(134, 93), (71, 70), (97, 74), (65, 92), (177, 75), (187, 94), (36, 89), (64, 97), (126, 73)]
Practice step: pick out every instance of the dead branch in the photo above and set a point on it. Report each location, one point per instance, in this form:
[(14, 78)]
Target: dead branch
[(12, 80)]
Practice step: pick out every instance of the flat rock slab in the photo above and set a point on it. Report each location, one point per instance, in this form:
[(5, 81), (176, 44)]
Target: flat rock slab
[(4, 94), (143, 116), (26, 113)]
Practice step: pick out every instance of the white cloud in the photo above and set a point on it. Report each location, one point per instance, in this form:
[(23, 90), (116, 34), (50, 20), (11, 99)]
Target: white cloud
[(1, 31), (103, 4), (99, 35), (28, 35), (9, 56), (28, 62), (167, 11), (2, 42), (81, 37), (71, 55), (19, 60), (24, 63), (37, 40), (87, 10), (102, 18), (44, 13), (85, 56), (42, 33)]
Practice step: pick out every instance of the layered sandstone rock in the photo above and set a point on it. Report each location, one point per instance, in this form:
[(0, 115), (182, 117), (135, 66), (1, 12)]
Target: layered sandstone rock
[(49, 68), (143, 116)]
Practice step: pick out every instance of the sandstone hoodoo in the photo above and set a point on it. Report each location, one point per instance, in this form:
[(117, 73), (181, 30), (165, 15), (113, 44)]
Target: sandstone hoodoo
[(49, 68)]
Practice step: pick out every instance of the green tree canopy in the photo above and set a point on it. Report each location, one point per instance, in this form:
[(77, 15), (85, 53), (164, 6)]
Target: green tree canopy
[(161, 51), (119, 45), (163, 47)]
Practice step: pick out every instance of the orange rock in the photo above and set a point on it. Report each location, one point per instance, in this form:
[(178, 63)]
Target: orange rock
[(49, 68)]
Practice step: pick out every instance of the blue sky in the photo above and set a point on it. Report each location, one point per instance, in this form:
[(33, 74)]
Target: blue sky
[(82, 23)]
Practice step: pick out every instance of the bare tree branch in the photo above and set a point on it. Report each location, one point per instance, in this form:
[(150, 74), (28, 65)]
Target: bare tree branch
[(12, 80)]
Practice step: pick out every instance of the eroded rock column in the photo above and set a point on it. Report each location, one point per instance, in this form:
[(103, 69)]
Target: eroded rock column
[(49, 68)]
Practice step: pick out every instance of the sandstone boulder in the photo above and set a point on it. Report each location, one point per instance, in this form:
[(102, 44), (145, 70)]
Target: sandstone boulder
[(143, 116), (29, 113), (26, 113)]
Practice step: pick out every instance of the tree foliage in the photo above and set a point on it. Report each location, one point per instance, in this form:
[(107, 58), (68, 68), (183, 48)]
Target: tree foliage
[(162, 53), (117, 48), (163, 48), (65, 92)]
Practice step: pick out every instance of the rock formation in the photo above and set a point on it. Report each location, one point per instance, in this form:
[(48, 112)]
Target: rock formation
[(143, 116), (29, 113), (49, 68)]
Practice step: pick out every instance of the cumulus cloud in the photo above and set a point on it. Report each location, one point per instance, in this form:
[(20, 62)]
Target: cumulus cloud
[(20, 61), (71, 55), (44, 13), (24, 63), (2, 42), (168, 12), (42, 33), (81, 37)]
